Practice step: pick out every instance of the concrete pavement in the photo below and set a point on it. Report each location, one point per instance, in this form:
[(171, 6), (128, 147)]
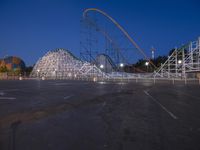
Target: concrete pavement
[(79, 115)]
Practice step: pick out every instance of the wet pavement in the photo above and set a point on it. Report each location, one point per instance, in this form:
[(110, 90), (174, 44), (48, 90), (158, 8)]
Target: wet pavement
[(80, 115)]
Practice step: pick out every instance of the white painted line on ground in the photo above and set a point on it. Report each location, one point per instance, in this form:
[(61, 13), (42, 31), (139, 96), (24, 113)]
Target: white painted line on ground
[(67, 97), (7, 98), (7, 90), (163, 107)]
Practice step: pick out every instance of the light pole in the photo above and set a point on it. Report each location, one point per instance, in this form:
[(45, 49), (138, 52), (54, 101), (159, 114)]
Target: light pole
[(147, 64), (55, 74), (180, 62), (101, 67), (121, 66), (38, 71)]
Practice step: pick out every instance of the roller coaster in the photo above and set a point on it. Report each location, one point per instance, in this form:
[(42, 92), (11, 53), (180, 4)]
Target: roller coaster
[(107, 48), (184, 62), (91, 25)]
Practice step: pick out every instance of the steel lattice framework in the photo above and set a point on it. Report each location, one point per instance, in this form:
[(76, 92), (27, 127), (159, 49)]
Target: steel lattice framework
[(182, 62), (117, 25), (62, 64), (113, 48)]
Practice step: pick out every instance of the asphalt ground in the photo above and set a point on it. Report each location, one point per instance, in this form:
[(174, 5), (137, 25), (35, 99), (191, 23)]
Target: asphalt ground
[(81, 115)]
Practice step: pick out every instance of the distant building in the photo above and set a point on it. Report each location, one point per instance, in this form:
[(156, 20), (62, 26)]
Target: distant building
[(12, 63)]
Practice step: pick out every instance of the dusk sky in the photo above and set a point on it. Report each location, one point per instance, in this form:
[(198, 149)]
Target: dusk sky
[(30, 28)]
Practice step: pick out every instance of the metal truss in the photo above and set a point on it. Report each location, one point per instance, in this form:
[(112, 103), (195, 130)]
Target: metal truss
[(101, 34), (181, 62), (192, 61)]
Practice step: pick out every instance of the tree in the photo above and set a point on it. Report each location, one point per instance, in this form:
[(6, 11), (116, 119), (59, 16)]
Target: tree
[(28, 70), (3, 69), (17, 71), (159, 60)]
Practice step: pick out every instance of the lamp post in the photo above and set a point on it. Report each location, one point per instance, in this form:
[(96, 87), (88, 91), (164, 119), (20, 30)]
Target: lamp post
[(147, 64), (121, 66), (55, 73), (101, 67), (180, 62), (38, 71)]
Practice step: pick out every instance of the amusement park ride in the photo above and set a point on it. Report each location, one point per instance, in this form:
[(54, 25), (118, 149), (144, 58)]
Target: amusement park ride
[(90, 24), (106, 48), (182, 63)]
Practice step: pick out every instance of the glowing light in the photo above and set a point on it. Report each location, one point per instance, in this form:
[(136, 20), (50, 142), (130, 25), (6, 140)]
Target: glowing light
[(179, 61), (94, 79), (146, 63), (101, 66)]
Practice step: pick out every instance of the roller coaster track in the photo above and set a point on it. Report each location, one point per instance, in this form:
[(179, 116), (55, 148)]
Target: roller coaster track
[(120, 28), (114, 43)]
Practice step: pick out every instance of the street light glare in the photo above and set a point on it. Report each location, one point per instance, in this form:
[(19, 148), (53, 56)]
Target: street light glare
[(146, 63), (101, 66), (121, 65), (179, 61)]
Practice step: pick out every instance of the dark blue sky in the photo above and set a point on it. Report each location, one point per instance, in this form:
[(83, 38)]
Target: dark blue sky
[(30, 28)]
